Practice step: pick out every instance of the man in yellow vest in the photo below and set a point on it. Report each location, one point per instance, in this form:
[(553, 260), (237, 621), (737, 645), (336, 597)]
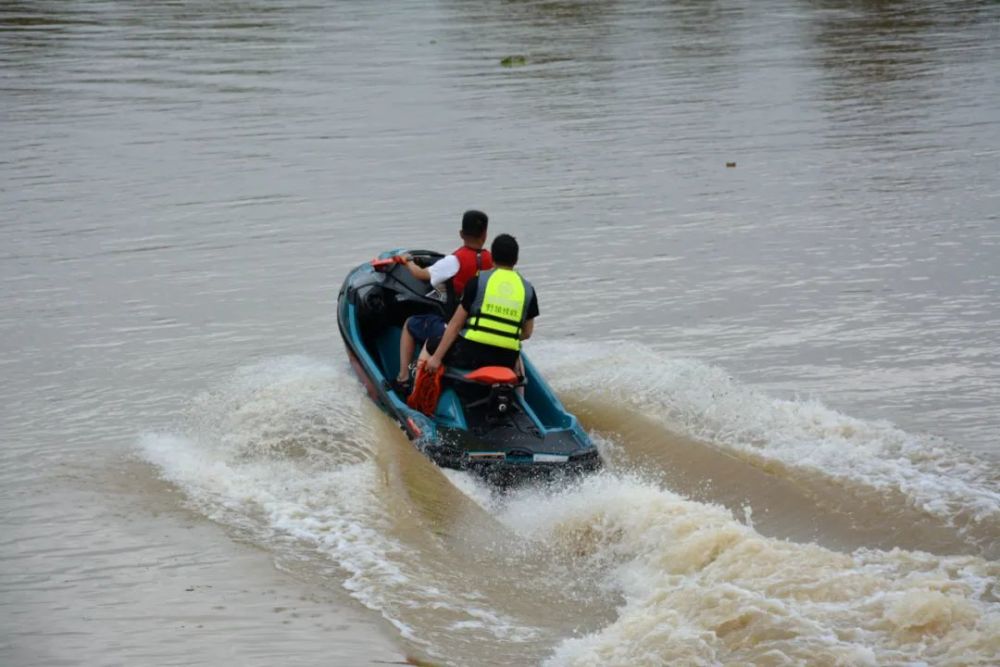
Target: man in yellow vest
[(497, 312)]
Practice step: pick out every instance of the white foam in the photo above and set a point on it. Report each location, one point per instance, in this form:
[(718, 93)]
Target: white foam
[(704, 402), (472, 486), (285, 451), (702, 588)]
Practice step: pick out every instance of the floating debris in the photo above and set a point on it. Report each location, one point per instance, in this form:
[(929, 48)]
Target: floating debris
[(514, 61), (730, 164)]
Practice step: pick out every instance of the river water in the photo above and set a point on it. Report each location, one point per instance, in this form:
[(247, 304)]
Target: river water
[(790, 364)]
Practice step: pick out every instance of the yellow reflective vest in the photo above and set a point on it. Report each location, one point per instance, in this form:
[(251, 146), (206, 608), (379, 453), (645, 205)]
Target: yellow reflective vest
[(499, 310)]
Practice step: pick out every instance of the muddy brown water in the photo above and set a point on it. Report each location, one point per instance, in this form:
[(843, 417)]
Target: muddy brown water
[(790, 363)]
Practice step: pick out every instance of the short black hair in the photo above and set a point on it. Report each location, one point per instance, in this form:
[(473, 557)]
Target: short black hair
[(474, 223), (504, 250)]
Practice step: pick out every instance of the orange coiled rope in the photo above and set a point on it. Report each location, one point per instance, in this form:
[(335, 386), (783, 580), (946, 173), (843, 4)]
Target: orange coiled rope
[(426, 390)]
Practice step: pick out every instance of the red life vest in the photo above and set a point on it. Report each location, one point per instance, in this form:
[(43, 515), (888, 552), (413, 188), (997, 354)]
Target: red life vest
[(470, 263)]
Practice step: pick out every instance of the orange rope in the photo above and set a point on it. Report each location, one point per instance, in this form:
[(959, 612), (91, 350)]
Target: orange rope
[(426, 390)]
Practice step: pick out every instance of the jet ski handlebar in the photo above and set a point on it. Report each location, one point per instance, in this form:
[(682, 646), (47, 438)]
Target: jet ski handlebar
[(387, 263), (422, 258)]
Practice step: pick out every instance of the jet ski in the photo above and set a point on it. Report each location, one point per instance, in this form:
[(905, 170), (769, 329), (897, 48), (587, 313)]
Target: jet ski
[(505, 428)]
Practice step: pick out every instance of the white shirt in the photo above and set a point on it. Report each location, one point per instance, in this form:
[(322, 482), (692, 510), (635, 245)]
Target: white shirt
[(443, 270)]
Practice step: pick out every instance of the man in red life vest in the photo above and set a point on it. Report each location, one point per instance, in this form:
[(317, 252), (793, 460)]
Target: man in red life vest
[(450, 273)]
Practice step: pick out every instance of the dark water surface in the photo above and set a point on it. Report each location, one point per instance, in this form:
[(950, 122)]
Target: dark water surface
[(183, 186)]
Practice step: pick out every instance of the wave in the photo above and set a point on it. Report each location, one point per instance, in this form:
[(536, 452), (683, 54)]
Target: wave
[(291, 454), (703, 588), (790, 439), (618, 569)]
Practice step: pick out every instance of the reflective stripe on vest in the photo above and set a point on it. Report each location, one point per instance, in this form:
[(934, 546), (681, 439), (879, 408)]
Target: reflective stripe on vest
[(500, 308)]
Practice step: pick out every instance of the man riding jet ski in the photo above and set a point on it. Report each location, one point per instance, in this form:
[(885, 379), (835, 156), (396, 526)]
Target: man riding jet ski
[(502, 424), (449, 276)]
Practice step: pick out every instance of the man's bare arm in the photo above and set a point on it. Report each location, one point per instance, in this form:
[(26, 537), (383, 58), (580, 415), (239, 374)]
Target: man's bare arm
[(528, 329), (418, 272)]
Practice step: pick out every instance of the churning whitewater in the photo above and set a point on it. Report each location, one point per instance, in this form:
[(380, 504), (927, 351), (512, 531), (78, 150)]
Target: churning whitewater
[(625, 567)]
